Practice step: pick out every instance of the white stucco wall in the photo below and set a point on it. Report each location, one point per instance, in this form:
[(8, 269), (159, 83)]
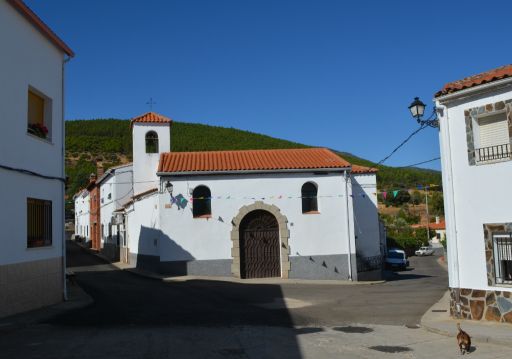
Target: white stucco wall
[(145, 165), (118, 184), (473, 195), (310, 234), (366, 218), (28, 59), (82, 214), (143, 226)]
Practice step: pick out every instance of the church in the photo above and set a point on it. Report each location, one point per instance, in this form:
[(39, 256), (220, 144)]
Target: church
[(287, 213)]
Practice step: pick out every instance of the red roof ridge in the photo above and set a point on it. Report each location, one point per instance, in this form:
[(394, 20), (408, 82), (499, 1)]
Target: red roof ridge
[(150, 117), (476, 80), (32, 17)]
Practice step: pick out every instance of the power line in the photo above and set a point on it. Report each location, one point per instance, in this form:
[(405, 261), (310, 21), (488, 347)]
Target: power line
[(400, 145), (31, 173), (421, 163)]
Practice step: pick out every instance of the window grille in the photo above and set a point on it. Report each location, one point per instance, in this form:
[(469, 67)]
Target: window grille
[(502, 244), (39, 223)]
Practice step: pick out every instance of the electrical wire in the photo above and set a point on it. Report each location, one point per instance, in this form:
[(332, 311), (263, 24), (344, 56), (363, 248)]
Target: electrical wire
[(421, 163), (31, 173)]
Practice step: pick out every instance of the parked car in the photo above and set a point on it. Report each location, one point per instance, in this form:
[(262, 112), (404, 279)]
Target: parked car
[(396, 258), (424, 251)]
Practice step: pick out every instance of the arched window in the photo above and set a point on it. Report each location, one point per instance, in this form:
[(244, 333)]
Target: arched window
[(151, 142), (309, 200), (201, 203)]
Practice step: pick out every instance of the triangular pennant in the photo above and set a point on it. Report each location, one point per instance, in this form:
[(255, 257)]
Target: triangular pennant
[(384, 195), (395, 193)]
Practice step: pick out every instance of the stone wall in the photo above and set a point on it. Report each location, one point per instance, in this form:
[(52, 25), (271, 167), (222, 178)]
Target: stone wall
[(478, 304)]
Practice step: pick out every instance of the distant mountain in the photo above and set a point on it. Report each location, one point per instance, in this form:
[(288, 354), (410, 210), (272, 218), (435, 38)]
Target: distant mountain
[(110, 141)]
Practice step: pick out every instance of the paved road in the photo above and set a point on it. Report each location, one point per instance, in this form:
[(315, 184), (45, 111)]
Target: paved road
[(125, 299), (135, 317)]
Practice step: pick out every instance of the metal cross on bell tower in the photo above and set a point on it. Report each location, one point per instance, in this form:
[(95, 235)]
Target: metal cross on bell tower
[(151, 103)]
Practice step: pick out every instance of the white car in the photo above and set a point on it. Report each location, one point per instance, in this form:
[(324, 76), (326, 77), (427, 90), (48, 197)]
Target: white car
[(424, 251), (396, 258)]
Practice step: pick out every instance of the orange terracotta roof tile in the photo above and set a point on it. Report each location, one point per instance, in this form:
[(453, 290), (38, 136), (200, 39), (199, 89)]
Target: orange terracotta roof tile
[(151, 117), (250, 160), (475, 80), (31, 16), (434, 226), (363, 169)]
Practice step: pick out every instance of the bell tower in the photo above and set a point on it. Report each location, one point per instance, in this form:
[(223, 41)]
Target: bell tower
[(151, 136)]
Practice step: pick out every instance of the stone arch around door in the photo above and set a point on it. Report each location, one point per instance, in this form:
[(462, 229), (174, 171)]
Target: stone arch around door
[(284, 235)]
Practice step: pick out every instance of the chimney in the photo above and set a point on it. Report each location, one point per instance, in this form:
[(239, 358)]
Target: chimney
[(99, 169), (92, 178), (437, 220)]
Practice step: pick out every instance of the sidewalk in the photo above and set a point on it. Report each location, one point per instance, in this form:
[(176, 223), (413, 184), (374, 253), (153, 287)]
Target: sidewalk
[(77, 298), (185, 278), (437, 320)]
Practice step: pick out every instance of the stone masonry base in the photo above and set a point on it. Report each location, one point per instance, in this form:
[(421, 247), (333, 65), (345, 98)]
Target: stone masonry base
[(30, 285), (481, 304)]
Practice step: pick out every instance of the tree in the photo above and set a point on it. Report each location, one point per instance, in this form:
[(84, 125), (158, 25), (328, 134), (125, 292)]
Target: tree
[(437, 204)]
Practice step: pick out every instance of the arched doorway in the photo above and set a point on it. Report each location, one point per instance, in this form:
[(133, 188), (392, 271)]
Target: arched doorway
[(259, 245)]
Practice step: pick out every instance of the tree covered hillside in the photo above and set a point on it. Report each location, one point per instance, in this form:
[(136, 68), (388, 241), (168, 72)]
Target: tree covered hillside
[(109, 141)]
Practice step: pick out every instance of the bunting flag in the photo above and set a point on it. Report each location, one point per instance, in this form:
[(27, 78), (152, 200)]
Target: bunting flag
[(384, 195), (395, 192)]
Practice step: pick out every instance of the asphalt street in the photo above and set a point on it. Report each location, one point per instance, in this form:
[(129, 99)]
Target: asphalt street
[(137, 317)]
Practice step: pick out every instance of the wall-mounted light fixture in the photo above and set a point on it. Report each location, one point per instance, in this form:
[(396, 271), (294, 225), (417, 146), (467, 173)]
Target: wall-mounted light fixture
[(417, 108), (169, 187)]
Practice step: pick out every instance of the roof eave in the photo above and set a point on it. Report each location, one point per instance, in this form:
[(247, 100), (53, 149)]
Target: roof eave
[(473, 90), (241, 172), (45, 30)]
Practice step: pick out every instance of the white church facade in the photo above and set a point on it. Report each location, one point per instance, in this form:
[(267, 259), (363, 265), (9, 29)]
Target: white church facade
[(290, 213)]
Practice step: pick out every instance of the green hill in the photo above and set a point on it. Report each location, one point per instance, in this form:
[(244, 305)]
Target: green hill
[(109, 140)]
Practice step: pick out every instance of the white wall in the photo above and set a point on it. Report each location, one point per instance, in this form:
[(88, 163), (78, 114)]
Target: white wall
[(473, 195), (28, 59), (310, 234), (119, 186), (366, 218), (82, 214), (143, 226), (145, 165)]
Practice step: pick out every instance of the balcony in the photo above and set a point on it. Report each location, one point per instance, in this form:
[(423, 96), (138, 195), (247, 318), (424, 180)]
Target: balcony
[(492, 154)]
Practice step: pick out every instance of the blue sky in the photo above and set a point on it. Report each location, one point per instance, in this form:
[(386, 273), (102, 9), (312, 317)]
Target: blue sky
[(327, 73)]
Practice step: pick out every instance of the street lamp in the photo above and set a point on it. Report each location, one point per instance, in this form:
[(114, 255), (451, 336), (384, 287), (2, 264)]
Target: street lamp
[(169, 187), (417, 108)]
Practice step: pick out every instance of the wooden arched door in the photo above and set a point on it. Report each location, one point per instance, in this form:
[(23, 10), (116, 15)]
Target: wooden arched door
[(259, 245)]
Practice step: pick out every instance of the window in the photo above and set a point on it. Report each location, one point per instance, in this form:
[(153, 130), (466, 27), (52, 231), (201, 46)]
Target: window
[(151, 142), (201, 203), (39, 223), (38, 114), (492, 138), (309, 198), (502, 247)]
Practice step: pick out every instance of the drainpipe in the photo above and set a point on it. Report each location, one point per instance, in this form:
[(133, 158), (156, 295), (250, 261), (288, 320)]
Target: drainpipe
[(347, 207), (454, 259), (63, 134)]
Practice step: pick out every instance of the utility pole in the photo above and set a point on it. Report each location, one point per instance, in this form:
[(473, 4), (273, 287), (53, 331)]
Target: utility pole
[(428, 217)]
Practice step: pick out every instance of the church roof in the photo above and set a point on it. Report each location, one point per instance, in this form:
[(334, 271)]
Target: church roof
[(475, 80), (250, 160), (151, 117)]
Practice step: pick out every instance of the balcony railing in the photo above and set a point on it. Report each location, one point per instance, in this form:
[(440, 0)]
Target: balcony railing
[(493, 153)]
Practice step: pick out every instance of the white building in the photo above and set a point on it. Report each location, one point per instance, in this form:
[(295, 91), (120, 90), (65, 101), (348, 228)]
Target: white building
[(116, 188), (31, 160), (82, 214), (302, 213), (475, 135)]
